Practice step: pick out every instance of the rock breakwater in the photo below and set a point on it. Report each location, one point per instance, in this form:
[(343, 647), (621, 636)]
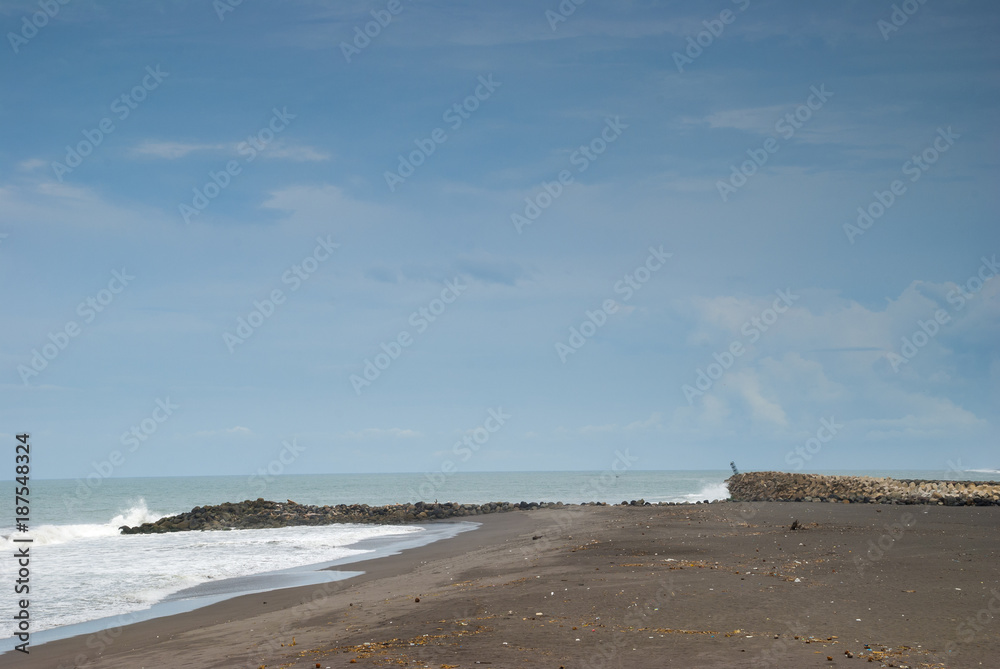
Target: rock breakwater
[(260, 513), (784, 487)]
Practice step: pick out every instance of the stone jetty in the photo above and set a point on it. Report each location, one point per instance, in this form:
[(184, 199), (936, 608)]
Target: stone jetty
[(261, 513), (783, 487), (747, 487)]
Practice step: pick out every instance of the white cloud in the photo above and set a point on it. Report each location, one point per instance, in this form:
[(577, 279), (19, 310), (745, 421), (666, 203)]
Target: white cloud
[(381, 433), (598, 429), (238, 431), (709, 417), (299, 154), (63, 191), (309, 207), (754, 119), (792, 370), (652, 422), (827, 356), (57, 205), (31, 164), (175, 150), (933, 418), (748, 386), (823, 322), (277, 150)]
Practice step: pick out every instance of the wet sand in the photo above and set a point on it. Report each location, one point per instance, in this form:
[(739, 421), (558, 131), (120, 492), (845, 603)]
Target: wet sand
[(720, 585)]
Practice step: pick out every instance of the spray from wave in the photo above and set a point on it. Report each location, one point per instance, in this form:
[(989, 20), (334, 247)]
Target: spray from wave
[(60, 534), (712, 492)]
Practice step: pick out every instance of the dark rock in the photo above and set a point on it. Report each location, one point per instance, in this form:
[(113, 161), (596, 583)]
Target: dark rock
[(261, 513)]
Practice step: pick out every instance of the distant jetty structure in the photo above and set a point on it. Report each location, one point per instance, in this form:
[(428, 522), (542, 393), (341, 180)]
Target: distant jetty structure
[(784, 487)]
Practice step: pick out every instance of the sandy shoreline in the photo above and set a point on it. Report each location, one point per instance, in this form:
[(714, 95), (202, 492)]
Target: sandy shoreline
[(685, 586)]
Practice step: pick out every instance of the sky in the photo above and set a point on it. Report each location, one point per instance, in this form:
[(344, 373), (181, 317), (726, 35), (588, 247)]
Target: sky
[(430, 236)]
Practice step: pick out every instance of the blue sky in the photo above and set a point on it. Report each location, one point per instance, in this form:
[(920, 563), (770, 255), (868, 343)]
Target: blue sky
[(446, 204)]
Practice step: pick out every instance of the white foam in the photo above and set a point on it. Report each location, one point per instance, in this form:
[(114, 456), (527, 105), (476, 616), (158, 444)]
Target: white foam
[(712, 492), (92, 571), (47, 535)]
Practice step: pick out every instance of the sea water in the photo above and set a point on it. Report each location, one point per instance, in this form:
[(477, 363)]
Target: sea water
[(83, 569)]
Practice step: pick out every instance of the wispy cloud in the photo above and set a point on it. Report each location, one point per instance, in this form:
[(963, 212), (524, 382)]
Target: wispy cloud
[(239, 431), (653, 422), (754, 119), (937, 418), (175, 150), (299, 154), (381, 433), (31, 164), (65, 191), (275, 151)]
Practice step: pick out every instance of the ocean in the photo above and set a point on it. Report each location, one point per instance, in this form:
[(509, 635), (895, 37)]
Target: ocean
[(86, 576)]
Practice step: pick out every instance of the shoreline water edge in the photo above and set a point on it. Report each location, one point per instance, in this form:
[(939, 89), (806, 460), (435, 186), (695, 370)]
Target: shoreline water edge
[(752, 494)]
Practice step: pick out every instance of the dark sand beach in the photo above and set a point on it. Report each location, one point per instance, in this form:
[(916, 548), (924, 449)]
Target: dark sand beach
[(720, 585)]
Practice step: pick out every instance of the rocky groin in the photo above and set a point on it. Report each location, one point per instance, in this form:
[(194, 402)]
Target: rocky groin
[(261, 513), (783, 487)]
